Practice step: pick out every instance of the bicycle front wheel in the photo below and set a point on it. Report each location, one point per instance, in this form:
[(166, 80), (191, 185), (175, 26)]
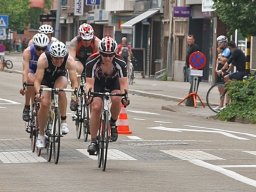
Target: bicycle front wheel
[(86, 118), (106, 140), (56, 137), (9, 64), (215, 97)]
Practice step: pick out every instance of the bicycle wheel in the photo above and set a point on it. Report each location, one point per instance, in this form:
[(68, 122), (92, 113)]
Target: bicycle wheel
[(100, 152), (78, 123), (86, 125), (214, 96), (106, 140), (49, 139), (9, 64), (56, 136)]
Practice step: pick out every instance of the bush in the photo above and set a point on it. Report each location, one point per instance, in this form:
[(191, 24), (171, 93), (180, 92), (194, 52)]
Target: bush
[(243, 105)]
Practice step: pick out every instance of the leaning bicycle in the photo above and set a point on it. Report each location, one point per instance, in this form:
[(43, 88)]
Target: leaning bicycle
[(53, 130), (82, 114), (104, 133)]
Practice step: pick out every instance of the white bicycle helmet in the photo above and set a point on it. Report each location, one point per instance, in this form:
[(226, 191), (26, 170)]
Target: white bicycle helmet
[(46, 29), (40, 40), (86, 31), (58, 49), (108, 45), (222, 38)]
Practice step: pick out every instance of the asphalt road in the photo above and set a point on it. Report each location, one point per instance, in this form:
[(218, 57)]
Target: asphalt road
[(167, 151)]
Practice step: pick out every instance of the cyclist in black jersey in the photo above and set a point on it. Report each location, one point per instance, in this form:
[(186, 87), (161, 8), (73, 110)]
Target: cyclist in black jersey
[(51, 72), (105, 72)]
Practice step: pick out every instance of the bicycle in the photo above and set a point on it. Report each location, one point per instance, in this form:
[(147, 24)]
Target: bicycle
[(53, 131), (7, 63), (104, 133), (82, 115)]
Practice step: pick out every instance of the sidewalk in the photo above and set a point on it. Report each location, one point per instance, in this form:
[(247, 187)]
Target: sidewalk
[(171, 91)]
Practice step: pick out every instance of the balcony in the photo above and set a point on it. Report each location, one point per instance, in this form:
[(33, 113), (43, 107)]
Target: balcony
[(119, 5)]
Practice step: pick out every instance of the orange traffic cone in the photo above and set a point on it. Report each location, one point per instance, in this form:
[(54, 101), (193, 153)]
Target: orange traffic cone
[(122, 122)]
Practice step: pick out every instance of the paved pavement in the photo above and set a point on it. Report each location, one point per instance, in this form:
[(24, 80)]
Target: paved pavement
[(171, 91)]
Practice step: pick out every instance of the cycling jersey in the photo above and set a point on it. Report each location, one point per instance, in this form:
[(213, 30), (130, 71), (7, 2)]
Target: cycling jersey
[(104, 81), (33, 59), (51, 73), (226, 52)]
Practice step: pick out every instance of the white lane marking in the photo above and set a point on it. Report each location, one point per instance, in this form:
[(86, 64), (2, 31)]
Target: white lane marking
[(20, 157), (134, 138), (237, 166), (226, 172), (191, 155), (215, 129), (250, 152), (13, 139), (143, 112), (113, 154), (197, 130), (2, 107), (7, 101), (139, 119), (164, 122)]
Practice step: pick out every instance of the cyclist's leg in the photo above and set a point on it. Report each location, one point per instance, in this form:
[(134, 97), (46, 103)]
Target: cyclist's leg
[(62, 82), (79, 67)]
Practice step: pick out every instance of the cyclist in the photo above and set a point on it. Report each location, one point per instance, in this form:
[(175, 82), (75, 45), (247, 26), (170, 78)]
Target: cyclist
[(47, 30), (105, 71), (30, 59), (125, 50), (51, 72), (237, 60), (83, 45)]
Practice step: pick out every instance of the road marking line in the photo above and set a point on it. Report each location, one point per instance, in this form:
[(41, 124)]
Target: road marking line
[(191, 155), (2, 107), (164, 122), (237, 166), (216, 129), (226, 172), (250, 152), (139, 119), (197, 130), (134, 138), (7, 101), (143, 112), (20, 157), (113, 154)]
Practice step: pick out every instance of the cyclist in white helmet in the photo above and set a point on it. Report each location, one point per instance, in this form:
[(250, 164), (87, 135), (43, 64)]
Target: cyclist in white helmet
[(52, 72), (83, 45), (30, 59), (47, 30)]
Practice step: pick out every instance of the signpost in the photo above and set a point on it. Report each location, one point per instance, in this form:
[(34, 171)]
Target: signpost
[(4, 21), (92, 2)]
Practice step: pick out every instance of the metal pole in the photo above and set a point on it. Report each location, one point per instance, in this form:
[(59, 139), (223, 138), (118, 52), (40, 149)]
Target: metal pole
[(57, 24)]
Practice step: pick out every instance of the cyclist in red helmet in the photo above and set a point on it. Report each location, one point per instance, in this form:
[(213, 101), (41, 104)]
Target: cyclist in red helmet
[(106, 71)]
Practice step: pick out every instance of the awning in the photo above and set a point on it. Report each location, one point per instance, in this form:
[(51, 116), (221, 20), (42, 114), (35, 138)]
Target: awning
[(127, 26)]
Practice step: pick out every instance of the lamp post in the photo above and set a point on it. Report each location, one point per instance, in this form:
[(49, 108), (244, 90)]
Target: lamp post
[(57, 24)]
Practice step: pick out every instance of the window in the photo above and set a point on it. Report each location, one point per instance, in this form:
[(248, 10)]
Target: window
[(64, 2)]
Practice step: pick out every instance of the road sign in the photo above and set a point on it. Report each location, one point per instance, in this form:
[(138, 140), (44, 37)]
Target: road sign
[(4, 21), (92, 2), (197, 60)]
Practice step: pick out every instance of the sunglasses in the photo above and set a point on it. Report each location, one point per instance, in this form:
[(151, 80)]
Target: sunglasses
[(40, 48), (107, 54)]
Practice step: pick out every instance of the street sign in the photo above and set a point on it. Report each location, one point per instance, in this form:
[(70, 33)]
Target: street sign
[(47, 18), (197, 60), (92, 2), (181, 12), (4, 21)]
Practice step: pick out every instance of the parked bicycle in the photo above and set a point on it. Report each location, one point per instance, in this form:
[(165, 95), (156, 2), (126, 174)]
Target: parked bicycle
[(6, 63), (104, 133), (53, 130), (82, 114)]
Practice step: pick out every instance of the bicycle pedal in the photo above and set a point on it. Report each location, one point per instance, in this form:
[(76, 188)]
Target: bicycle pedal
[(28, 130)]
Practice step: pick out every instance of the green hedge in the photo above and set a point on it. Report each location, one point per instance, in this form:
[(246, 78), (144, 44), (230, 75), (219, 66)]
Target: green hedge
[(243, 105)]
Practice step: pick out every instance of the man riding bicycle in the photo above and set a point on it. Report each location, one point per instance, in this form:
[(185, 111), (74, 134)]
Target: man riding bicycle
[(52, 72), (105, 72), (30, 59)]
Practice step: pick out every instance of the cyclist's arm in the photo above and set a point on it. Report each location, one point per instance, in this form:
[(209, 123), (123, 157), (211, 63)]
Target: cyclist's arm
[(97, 44), (123, 84), (72, 47), (25, 63), (72, 72), (42, 64)]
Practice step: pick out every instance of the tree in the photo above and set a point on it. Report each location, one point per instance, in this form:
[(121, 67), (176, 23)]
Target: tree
[(237, 14)]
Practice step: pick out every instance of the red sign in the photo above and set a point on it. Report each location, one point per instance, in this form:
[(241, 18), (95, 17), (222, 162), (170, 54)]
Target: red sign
[(36, 4), (197, 60)]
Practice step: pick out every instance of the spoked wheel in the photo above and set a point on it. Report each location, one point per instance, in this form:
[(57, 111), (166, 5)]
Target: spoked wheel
[(49, 141), (33, 137), (56, 138), (9, 64), (214, 95), (78, 124), (86, 125)]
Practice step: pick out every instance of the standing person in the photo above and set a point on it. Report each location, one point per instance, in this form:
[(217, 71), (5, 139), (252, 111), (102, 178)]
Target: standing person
[(52, 72), (30, 59), (83, 45), (191, 48), (125, 50), (105, 71)]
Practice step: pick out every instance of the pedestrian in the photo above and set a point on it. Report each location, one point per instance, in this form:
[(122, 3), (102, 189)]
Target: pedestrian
[(191, 48)]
